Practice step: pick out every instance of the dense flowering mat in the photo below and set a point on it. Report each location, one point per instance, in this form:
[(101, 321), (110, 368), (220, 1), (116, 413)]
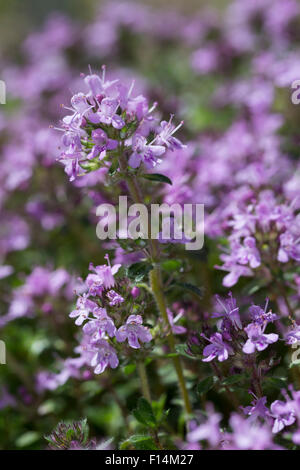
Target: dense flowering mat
[(138, 342)]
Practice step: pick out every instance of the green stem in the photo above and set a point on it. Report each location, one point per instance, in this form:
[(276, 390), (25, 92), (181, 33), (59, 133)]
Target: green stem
[(156, 281), (144, 380), (157, 289), (147, 394)]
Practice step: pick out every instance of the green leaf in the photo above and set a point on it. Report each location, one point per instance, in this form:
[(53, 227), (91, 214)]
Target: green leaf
[(181, 349), (191, 288), (27, 439), (129, 369), (205, 385), (113, 167), (139, 442), (158, 408), (144, 413), (70, 434), (171, 265), (90, 166), (276, 382), (138, 271), (233, 379), (85, 429), (157, 177)]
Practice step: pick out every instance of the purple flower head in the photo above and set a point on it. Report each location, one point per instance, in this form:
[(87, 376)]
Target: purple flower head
[(144, 152), (257, 340), (261, 316), (247, 435), (5, 271), (205, 60), (217, 349), (230, 311), (84, 307), (114, 298), (135, 292), (103, 324), (257, 409), (98, 86), (107, 114), (6, 399), (283, 413), (262, 219), (102, 279), (235, 270), (110, 106), (133, 331), (293, 336), (249, 254), (105, 356), (177, 329), (289, 247), (99, 137), (80, 104), (165, 136), (208, 431)]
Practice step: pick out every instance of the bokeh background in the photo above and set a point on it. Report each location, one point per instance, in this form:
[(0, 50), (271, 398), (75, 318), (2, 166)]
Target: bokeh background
[(47, 231)]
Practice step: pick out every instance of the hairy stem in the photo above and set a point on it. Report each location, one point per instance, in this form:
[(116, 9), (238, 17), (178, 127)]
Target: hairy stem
[(156, 282), (144, 380), (157, 289), (147, 394)]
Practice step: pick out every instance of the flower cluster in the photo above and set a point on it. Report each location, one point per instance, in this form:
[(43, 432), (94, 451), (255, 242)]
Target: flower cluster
[(234, 338), (106, 120), (241, 435), (41, 291), (253, 431), (99, 310), (265, 234)]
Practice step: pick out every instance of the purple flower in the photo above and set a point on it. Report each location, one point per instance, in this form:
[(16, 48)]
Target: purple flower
[(135, 292), (289, 247), (144, 152), (205, 60), (98, 86), (107, 114), (261, 316), (247, 435), (257, 339), (231, 311), (208, 431), (102, 144), (110, 105), (5, 271), (102, 279), (177, 329), (293, 336), (114, 298), (103, 324), (105, 356), (6, 399), (257, 409), (218, 348), (165, 136), (133, 331), (235, 271), (249, 254), (80, 104), (83, 308), (283, 413)]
